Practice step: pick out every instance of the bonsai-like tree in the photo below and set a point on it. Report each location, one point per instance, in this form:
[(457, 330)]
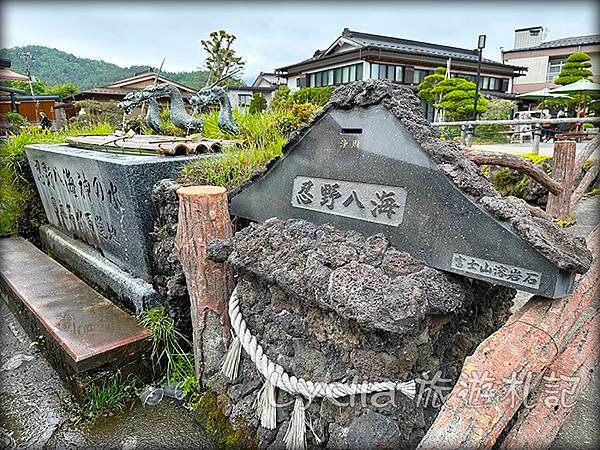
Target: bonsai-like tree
[(458, 98), (426, 86), (576, 68), (258, 103), (222, 59)]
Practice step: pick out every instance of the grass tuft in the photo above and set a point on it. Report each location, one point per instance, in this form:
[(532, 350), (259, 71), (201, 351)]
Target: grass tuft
[(260, 141), (107, 398), (171, 350)]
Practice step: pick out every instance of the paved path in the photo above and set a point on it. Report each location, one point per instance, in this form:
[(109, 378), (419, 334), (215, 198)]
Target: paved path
[(36, 410)]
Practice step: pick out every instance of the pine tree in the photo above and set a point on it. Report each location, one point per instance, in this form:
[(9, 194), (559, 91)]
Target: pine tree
[(458, 98), (576, 68)]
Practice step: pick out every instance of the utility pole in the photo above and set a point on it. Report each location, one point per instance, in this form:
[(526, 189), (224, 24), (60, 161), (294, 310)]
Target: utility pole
[(26, 57), (480, 47)]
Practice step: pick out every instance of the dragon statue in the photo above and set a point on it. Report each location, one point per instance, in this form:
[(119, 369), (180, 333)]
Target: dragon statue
[(179, 116), (205, 97), (212, 95)]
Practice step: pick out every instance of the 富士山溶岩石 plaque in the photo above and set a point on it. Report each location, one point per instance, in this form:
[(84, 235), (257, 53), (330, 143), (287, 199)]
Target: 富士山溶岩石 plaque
[(370, 162)]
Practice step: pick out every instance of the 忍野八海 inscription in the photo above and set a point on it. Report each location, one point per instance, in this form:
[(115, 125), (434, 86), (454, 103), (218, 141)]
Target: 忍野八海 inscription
[(370, 202), (370, 162)]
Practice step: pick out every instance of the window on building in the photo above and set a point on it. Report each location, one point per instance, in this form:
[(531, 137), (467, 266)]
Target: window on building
[(387, 72), (244, 100), (420, 75), (555, 65), (399, 74), (339, 75)]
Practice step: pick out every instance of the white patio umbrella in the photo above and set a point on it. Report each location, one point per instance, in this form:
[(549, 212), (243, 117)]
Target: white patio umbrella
[(542, 94), (579, 87)]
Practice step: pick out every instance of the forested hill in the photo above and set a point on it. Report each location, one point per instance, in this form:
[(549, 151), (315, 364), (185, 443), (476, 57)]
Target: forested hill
[(57, 67)]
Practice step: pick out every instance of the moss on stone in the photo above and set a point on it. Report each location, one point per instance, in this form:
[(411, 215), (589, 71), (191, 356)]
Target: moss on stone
[(210, 412)]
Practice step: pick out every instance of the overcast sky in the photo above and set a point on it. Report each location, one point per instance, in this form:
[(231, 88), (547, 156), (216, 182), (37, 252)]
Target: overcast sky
[(273, 34)]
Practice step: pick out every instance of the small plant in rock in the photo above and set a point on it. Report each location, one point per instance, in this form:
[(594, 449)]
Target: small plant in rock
[(170, 348), (108, 397)]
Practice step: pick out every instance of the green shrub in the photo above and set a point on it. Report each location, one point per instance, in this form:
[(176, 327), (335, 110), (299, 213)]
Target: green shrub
[(282, 99), (15, 121), (95, 112), (257, 104), (496, 109), (21, 211), (295, 117), (318, 96)]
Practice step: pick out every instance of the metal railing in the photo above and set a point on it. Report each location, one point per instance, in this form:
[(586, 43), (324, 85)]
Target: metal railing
[(468, 126)]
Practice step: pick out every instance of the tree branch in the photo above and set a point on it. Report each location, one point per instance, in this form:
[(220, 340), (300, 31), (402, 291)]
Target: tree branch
[(518, 163)]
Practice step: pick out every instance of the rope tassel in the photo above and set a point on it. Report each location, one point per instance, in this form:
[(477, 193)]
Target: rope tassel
[(295, 436), (265, 405), (231, 363), (408, 388)]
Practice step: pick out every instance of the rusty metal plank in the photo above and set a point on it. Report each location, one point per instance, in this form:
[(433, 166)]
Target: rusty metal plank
[(91, 330)]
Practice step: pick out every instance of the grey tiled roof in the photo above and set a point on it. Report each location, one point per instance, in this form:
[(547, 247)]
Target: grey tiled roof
[(407, 45), (565, 42)]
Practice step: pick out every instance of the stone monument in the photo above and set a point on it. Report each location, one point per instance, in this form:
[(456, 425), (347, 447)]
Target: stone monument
[(370, 162), (101, 214)]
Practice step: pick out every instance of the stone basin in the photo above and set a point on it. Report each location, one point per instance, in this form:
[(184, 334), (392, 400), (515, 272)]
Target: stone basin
[(103, 199)]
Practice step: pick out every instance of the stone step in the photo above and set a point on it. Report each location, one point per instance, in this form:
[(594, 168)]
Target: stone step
[(88, 330)]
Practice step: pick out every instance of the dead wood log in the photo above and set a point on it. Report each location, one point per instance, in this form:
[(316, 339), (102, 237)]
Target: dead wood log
[(518, 163), (564, 381), (203, 217), (585, 183), (486, 395), (563, 163), (586, 152)]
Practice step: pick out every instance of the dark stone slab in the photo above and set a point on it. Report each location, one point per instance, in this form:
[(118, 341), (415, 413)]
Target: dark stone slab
[(103, 199), (370, 162), (87, 328)]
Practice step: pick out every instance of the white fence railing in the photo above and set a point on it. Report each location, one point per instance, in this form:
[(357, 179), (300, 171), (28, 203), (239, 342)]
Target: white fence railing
[(467, 127)]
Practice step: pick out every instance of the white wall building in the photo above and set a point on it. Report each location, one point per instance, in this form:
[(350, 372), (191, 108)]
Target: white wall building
[(265, 84), (544, 59)]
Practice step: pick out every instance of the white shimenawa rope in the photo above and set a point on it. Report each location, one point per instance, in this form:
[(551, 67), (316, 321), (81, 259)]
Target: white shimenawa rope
[(276, 377)]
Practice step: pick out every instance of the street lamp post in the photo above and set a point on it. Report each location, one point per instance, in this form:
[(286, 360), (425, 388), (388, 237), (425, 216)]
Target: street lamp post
[(480, 47)]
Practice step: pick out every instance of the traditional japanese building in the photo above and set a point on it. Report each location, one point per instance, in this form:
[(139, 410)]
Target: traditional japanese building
[(359, 56)]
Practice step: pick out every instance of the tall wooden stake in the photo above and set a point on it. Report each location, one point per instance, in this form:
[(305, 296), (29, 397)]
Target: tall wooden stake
[(204, 216), (563, 165)]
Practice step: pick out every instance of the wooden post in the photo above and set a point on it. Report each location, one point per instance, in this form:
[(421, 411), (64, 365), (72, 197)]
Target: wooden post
[(204, 216), (563, 164), (469, 138), (537, 138), (569, 374), (514, 357)]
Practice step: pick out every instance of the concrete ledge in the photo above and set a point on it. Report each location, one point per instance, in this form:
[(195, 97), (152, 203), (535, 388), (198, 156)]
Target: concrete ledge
[(88, 263)]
